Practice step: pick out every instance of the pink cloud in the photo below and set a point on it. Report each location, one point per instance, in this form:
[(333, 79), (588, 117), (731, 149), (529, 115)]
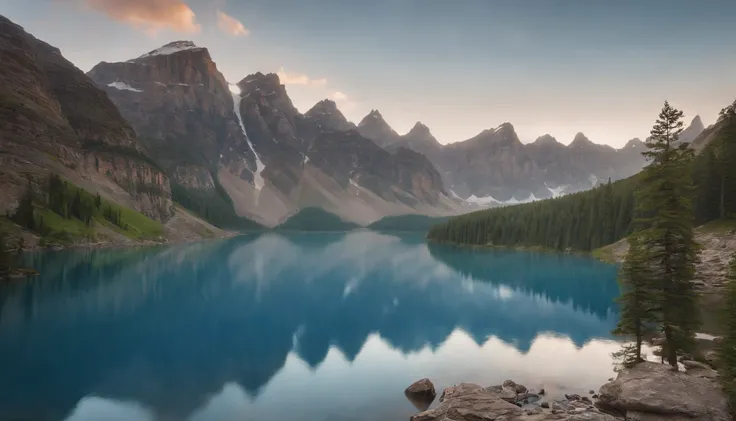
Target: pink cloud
[(230, 25), (150, 15), (299, 79)]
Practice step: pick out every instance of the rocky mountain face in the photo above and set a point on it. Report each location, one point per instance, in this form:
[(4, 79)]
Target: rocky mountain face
[(182, 108), (249, 139), (694, 130), (495, 167), (54, 119)]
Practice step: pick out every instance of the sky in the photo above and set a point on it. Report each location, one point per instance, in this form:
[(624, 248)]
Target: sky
[(600, 67)]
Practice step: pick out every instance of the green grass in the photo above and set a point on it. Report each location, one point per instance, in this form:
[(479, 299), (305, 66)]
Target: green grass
[(58, 230)]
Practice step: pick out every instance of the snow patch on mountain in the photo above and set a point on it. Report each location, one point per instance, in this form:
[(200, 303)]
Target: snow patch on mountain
[(489, 200), (257, 177), (122, 86), (557, 191), (172, 48)]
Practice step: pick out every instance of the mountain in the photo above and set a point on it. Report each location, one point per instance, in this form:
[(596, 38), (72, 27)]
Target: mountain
[(694, 130), (182, 108), (54, 119), (495, 168), (375, 128), (247, 148)]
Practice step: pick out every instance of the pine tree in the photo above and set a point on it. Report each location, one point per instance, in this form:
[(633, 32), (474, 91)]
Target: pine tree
[(639, 304), (24, 213), (727, 348), (665, 231), (725, 151)]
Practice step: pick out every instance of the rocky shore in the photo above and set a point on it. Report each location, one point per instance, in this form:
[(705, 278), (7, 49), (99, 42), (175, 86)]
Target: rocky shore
[(647, 392)]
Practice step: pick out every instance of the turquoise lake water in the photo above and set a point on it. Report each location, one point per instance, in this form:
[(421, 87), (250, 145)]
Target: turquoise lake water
[(297, 327)]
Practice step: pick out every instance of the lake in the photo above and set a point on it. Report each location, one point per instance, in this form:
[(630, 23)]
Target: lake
[(297, 327)]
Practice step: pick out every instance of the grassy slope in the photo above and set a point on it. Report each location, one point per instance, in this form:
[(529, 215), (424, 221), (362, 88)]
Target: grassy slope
[(60, 230)]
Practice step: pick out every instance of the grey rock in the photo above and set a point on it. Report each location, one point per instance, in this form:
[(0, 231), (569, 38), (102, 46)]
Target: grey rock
[(657, 391), (572, 397), (520, 388), (470, 402), (506, 393), (689, 364), (421, 388), (421, 394), (527, 398), (586, 400), (544, 405), (591, 391)]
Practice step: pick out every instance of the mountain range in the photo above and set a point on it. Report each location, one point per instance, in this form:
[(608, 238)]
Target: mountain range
[(167, 127)]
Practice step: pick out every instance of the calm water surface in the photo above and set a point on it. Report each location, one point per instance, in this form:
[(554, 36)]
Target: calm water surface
[(298, 327)]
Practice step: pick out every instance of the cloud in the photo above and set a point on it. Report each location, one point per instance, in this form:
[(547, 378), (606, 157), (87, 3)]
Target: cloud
[(343, 100), (338, 96), (230, 25), (150, 15), (299, 79)]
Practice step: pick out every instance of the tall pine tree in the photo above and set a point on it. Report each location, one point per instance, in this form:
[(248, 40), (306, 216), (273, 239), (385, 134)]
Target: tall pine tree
[(665, 231), (639, 304)]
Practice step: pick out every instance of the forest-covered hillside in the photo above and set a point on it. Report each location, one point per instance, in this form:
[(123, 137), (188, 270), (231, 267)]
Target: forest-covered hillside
[(407, 223), (316, 219), (591, 219)]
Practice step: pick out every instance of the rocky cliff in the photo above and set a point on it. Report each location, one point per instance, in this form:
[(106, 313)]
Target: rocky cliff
[(54, 119), (249, 139)]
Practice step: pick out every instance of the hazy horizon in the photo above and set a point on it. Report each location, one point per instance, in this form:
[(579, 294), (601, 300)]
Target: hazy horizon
[(548, 67)]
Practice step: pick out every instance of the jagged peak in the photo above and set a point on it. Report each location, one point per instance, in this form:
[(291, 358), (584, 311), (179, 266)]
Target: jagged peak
[(634, 143), (419, 128), (505, 127), (259, 78), (172, 48), (373, 117), (580, 140), (324, 105), (546, 139)]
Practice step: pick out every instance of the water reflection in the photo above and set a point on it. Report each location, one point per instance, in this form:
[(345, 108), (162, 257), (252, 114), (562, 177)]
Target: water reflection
[(336, 325)]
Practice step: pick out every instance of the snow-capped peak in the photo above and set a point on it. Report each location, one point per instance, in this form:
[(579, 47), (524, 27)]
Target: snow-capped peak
[(171, 48)]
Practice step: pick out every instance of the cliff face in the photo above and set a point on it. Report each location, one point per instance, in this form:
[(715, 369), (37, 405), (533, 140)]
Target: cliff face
[(182, 109), (53, 118), (270, 159)]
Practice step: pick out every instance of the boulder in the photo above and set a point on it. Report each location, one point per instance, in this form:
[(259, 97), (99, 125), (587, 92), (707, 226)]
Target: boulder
[(689, 364), (527, 398), (470, 402), (506, 393), (572, 397), (421, 394), (421, 389), (520, 388), (651, 392)]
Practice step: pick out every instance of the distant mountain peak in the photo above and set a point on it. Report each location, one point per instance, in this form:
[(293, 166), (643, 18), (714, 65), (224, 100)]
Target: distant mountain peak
[(546, 139), (634, 143), (692, 131), (172, 48), (697, 121), (327, 105), (580, 140), (419, 128)]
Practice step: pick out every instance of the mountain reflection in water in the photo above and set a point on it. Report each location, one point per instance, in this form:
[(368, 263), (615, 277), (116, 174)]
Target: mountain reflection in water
[(297, 326)]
